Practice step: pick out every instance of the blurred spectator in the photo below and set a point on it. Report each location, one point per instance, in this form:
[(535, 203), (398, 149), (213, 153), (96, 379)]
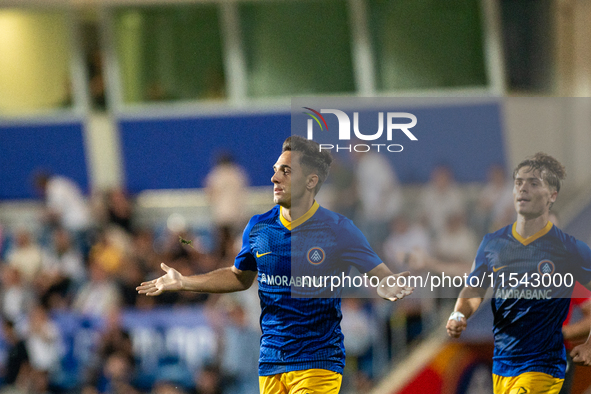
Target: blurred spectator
[(26, 256), (66, 207), (118, 372), (404, 238), (128, 281), (17, 361), (43, 344), (114, 252), (207, 381), (144, 252), (119, 209), (62, 273), (61, 259), (356, 326), (111, 250), (494, 208), (115, 338), (379, 195), (440, 199), (226, 187), (240, 348), (113, 367), (17, 298), (458, 242), (100, 295)]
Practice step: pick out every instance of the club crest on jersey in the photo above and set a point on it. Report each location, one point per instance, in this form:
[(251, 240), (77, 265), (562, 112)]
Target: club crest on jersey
[(316, 255), (546, 267)]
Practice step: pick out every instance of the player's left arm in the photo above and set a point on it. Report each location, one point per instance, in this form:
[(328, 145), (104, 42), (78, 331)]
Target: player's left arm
[(391, 287)]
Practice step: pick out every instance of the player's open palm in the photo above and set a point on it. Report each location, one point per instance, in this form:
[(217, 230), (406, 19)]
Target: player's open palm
[(455, 327), (393, 289), (171, 281)]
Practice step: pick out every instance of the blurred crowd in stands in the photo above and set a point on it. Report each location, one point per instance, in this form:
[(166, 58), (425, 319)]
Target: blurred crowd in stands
[(90, 255)]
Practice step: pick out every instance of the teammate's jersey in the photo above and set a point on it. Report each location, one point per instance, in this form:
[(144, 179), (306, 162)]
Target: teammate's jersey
[(301, 333), (529, 307)]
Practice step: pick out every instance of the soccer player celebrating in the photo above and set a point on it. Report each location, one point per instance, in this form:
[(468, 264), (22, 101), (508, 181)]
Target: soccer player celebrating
[(529, 355), (302, 344)]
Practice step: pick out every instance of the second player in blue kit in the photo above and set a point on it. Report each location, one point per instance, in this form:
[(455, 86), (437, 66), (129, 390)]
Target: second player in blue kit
[(533, 265)]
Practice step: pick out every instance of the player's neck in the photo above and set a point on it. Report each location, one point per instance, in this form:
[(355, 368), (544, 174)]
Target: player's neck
[(297, 209), (527, 227)]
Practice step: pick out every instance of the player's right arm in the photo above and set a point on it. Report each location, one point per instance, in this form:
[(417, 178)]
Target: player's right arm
[(470, 298), (223, 280), (468, 302)]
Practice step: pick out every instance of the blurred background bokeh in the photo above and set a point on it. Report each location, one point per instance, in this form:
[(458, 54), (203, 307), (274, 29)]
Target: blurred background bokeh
[(126, 125)]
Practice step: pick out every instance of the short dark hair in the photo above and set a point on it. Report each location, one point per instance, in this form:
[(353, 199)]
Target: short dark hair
[(313, 158), (551, 170)]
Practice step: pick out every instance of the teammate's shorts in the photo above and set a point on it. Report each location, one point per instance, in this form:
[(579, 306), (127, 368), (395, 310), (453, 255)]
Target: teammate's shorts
[(527, 383), (307, 381)]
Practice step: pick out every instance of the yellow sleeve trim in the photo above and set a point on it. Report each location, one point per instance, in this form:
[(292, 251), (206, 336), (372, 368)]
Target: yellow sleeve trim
[(291, 225), (532, 238)]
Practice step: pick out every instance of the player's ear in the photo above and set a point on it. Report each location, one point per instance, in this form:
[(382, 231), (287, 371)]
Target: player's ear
[(311, 181), (553, 196)]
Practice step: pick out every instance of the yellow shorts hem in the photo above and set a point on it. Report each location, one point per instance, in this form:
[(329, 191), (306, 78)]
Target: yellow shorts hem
[(307, 381), (527, 383)]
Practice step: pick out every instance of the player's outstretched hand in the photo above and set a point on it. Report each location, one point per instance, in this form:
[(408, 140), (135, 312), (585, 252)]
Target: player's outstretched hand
[(455, 326), (171, 281), (389, 289), (582, 354)]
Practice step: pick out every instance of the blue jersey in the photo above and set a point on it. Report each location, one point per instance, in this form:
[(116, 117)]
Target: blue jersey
[(528, 309), (301, 333)]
